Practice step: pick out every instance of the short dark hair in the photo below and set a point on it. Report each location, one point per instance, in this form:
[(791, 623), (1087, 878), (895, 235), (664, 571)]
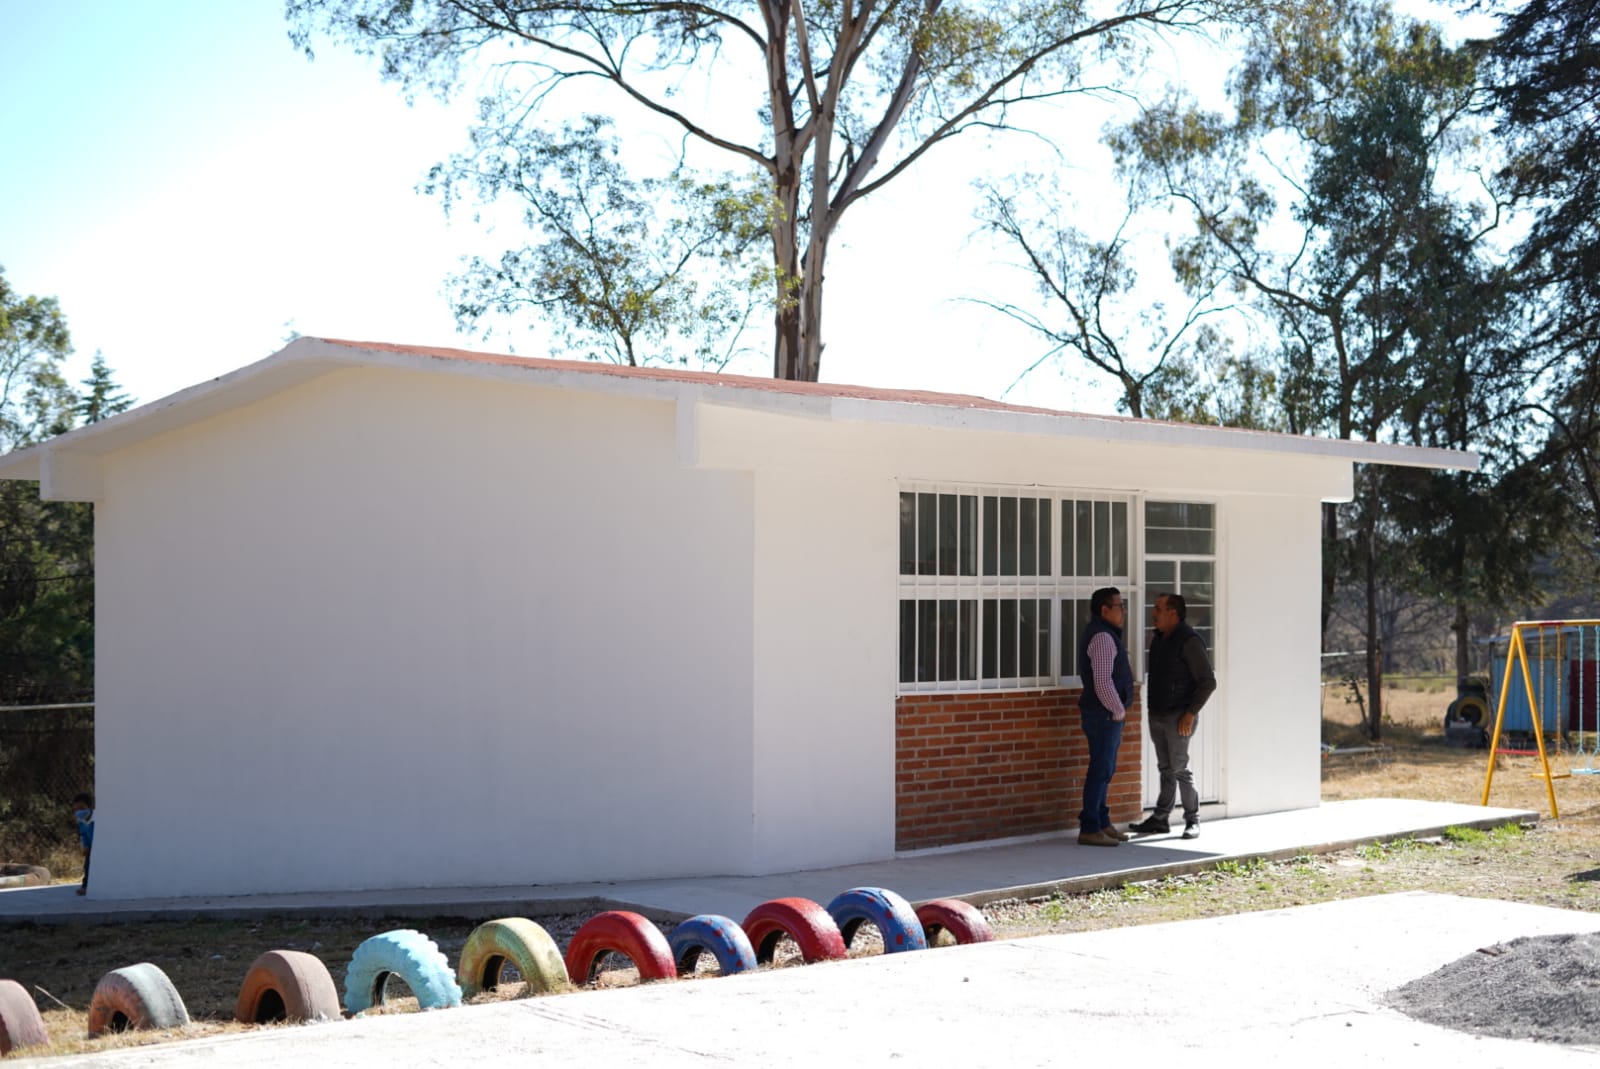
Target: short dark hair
[(1176, 603), (84, 798), (1100, 599)]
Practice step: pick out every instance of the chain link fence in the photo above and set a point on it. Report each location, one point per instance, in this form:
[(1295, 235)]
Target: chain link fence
[(46, 757)]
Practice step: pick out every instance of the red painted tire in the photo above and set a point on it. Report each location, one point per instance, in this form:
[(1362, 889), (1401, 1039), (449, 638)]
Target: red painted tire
[(802, 920), (287, 985), (20, 1023), (136, 998), (620, 932), (964, 921)]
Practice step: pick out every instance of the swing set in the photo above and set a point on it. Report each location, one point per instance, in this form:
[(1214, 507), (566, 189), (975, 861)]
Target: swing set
[(1556, 661)]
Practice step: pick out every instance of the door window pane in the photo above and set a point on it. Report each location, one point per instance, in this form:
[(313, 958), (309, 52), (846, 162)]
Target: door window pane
[(1028, 532), (927, 533), (1044, 537), (991, 536), (1119, 538), (969, 534), (1008, 536)]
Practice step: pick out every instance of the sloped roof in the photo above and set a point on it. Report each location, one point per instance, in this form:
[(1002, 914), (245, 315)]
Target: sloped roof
[(307, 358)]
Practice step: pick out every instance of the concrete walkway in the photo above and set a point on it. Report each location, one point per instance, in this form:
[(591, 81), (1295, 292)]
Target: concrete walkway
[(979, 875), (1285, 987)]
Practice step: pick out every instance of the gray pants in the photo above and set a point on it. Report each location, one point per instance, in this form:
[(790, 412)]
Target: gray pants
[(1172, 762)]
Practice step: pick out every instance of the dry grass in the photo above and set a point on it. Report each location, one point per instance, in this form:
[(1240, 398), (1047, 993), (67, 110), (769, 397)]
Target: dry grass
[(1555, 864)]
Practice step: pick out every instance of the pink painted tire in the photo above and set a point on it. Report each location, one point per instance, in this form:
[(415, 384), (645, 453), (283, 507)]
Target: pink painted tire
[(802, 920), (964, 921), (287, 985), (20, 1023), (619, 932)]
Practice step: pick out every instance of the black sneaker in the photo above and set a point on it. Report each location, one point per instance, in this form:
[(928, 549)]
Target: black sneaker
[(1191, 828), (1150, 826)]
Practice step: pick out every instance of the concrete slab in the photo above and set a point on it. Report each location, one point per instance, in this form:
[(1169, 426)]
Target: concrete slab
[(979, 875), (1274, 988)]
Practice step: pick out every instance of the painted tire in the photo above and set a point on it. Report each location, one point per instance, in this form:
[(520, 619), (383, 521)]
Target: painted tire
[(964, 921), (287, 985), (1472, 709), (20, 1023), (893, 916), (802, 920), (519, 941), (620, 932), (408, 954), (137, 998), (725, 939)]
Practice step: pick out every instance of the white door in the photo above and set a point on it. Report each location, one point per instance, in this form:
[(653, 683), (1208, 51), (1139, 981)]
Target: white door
[(1180, 558)]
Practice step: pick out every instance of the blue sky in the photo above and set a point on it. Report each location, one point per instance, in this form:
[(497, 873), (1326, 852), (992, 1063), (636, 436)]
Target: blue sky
[(191, 188)]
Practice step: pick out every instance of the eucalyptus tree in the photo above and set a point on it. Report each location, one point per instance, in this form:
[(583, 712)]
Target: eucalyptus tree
[(1096, 311), (1325, 195), (613, 258), (1543, 87), (826, 102)]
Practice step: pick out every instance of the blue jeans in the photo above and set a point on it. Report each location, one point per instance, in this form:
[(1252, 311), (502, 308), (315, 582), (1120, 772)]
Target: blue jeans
[(1105, 739)]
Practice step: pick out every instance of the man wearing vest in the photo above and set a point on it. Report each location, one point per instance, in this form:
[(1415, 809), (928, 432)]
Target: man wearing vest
[(1107, 690), (1180, 681)]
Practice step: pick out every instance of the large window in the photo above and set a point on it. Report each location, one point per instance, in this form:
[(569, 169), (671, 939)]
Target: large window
[(1180, 547), (994, 584)]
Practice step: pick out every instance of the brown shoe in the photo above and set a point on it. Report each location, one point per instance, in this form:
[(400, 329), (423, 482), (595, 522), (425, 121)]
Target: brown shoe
[(1116, 833), (1097, 838)]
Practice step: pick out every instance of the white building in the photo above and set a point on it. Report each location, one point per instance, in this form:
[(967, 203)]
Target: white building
[(375, 616)]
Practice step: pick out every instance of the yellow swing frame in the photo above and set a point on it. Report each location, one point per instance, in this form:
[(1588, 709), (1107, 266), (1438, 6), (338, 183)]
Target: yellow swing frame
[(1517, 654)]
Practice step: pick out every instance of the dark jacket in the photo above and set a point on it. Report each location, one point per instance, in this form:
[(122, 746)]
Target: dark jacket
[(1121, 672), (1181, 678)]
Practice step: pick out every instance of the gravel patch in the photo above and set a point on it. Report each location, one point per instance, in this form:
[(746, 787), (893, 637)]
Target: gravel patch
[(1538, 987)]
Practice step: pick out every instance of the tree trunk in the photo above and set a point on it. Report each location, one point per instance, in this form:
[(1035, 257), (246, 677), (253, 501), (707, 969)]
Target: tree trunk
[(1463, 650)]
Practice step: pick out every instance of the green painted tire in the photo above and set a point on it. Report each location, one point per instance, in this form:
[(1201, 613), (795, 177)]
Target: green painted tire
[(519, 941)]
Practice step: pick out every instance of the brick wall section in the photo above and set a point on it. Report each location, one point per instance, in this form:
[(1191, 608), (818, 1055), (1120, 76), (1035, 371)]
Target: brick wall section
[(977, 766)]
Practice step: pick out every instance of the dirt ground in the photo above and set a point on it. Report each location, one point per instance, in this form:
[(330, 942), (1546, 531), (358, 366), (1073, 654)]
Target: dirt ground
[(1556, 863)]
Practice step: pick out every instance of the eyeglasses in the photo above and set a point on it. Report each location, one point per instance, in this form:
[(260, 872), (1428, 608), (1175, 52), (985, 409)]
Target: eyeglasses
[(1118, 605)]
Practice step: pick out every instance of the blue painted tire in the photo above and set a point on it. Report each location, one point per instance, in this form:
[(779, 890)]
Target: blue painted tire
[(408, 954), (892, 915), (720, 935)]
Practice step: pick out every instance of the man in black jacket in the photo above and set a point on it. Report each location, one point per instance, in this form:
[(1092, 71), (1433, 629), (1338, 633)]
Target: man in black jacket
[(1181, 679)]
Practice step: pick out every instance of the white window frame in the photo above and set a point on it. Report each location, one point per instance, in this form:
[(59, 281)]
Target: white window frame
[(1053, 589)]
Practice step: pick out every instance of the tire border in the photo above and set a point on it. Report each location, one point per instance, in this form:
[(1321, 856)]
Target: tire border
[(727, 942), (622, 932), (21, 1024), (804, 921), (521, 941), (892, 915), (414, 957), (302, 983), (143, 994), (964, 921)]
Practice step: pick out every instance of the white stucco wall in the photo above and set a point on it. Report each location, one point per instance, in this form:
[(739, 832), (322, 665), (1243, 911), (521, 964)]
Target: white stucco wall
[(827, 633), (403, 629)]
